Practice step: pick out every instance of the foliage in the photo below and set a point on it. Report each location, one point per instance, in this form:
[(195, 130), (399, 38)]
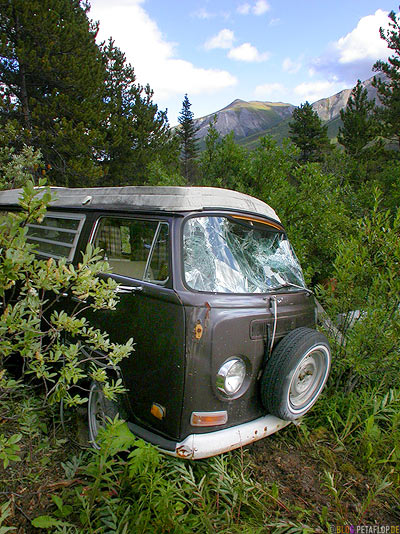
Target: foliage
[(51, 74), (308, 134), (366, 299), (159, 174), (389, 85), (149, 492), (5, 512), (75, 102), (187, 134), (359, 124), (223, 163), (316, 219), (35, 326), (9, 449), (137, 133), (367, 421), (17, 167)]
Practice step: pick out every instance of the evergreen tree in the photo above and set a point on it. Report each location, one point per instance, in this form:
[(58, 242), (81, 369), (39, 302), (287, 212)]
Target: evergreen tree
[(359, 124), (51, 79), (212, 141), (308, 134), (187, 135), (137, 133), (389, 87), (223, 163)]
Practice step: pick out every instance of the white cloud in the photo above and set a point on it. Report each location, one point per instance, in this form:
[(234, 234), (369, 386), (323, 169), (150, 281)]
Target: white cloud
[(312, 91), (258, 8), (270, 91), (203, 14), (364, 41), (244, 9), (261, 7), (274, 22), (223, 39), (153, 57), (249, 53), (353, 55), (291, 66)]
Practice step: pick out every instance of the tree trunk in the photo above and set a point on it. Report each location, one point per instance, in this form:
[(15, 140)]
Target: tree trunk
[(22, 74), (24, 98)]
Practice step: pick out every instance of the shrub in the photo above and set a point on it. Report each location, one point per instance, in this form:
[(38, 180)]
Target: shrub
[(35, 326)]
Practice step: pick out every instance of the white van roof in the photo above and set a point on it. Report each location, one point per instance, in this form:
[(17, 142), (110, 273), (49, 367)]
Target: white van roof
[(163, 198)]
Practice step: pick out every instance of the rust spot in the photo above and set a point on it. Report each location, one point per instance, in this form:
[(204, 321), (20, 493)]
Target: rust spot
[(265, 429), (198, 330), (183, 453), (256, 432), (208, 307)]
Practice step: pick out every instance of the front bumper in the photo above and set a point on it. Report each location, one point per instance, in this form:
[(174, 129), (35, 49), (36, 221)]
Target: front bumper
[(197, 446)]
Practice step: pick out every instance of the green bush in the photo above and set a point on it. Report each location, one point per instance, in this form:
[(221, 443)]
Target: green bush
[(365, 299), (35, 326)]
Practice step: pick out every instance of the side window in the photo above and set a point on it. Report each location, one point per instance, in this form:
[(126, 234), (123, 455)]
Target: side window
[(135, 248), (57, 235)]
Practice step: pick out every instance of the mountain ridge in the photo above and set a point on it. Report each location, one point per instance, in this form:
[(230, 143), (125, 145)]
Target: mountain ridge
[(249, 120)]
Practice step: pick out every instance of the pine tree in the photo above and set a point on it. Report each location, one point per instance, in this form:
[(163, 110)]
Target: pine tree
[(389, 87), (308, 134), (187, 135), (359, 124), (51, 79), (137, 133)]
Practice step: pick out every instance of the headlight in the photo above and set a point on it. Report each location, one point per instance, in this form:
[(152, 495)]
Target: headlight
[(231, 376)]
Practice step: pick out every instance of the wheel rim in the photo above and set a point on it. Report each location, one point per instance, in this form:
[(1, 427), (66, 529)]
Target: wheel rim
[(308, 379), (96, 413)]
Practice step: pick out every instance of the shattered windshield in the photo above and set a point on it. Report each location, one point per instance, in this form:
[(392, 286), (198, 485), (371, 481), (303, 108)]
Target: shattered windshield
[(225, 255)]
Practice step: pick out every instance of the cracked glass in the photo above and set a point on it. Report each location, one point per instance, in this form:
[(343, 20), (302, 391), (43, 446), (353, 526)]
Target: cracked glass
[(228, 255)]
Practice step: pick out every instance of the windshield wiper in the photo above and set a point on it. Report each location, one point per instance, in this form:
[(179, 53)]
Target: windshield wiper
[(291, 285)]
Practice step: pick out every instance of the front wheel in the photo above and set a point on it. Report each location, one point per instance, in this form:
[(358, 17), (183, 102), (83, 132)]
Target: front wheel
[(296, 374), (99, 409)]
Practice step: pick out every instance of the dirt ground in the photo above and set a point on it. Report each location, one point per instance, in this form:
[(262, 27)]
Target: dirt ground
[(300, 474)]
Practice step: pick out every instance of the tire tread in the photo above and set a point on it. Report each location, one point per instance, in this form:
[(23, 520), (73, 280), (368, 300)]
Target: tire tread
[(279, 366)]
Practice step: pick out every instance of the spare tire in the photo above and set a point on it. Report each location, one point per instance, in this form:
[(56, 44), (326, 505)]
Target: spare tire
[(296, 373)]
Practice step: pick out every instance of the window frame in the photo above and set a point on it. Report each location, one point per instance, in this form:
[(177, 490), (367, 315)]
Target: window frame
[(81, 217), (274, 227), (160, 222)]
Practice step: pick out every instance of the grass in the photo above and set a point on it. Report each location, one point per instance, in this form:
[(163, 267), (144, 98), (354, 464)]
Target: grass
[(340, 466)]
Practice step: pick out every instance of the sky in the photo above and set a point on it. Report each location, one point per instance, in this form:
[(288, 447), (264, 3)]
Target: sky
[(269, 50)]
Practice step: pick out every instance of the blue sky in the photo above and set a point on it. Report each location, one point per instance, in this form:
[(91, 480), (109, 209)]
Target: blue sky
[(268, 50)]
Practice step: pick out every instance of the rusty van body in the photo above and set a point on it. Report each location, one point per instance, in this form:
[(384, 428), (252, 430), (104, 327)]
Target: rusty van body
[(226, 350)]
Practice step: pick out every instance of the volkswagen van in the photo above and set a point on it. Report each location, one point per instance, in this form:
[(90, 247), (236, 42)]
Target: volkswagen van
[(226, 350)]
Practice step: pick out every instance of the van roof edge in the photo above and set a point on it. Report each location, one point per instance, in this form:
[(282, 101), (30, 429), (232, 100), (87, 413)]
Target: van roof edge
[(163, 198)]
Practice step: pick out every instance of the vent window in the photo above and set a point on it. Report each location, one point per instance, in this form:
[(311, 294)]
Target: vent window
[(57, 236)]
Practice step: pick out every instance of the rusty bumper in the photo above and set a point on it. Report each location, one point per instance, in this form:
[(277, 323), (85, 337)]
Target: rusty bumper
[(197, 446)]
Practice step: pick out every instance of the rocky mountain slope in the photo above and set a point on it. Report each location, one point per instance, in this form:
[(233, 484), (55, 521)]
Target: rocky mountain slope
[(245, 118), (251, 120)]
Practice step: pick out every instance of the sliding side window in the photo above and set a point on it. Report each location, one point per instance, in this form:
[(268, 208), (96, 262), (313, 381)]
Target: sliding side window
[(135, 248)]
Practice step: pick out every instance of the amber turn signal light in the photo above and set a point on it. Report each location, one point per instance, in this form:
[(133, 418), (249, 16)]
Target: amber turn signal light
[(157, 410), (209, 418)]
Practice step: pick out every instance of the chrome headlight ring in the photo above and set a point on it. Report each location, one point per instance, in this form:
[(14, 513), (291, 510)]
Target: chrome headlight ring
[(231, 377)]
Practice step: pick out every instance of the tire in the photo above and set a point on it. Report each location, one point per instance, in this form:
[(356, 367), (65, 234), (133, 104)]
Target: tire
[(99, 408), (296, 374)]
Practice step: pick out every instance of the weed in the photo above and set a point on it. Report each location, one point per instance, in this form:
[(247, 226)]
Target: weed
[(5, 512), (9, 449)]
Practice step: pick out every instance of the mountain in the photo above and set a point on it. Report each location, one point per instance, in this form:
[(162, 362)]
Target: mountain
[(251, 120), (245, 119)]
